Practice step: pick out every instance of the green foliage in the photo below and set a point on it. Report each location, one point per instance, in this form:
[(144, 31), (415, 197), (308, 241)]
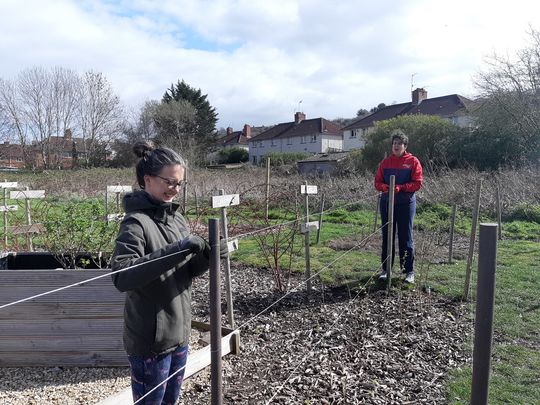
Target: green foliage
[(233, 155), (77, 227), (430, 139), (524, 212), (283, 158)]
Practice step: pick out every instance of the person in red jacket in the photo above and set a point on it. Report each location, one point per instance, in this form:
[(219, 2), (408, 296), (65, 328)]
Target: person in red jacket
[(408, 172)]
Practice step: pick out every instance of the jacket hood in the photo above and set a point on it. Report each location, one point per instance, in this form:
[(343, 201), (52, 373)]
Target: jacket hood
[(142, 201)]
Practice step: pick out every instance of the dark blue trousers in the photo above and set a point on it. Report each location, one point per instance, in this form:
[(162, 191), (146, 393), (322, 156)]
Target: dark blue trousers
[(149, 372), (403, 224)]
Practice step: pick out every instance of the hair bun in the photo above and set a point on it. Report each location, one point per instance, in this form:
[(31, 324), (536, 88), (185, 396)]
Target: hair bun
[(142, 148)]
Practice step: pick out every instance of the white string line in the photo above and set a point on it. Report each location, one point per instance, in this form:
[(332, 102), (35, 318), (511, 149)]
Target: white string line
[(90, 279), (305, 281), (278, 390), (303, 217), (288, 293)]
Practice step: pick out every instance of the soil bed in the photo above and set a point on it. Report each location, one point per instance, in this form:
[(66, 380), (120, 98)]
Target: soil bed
[(336, 346)]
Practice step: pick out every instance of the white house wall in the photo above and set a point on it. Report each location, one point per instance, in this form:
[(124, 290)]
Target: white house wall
[(354, 138), (294, 145)]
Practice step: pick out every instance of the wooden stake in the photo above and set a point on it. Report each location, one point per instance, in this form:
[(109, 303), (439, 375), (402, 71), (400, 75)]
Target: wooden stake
[(390, 235), (451, 238), (476, 212), (267, 188), (227, 262)]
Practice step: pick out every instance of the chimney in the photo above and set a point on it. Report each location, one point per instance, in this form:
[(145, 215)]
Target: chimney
[(229, 130), (67, 134), (418, 95), (299, 116), (247, 131)]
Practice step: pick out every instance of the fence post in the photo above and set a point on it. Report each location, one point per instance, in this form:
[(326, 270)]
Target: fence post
[(320, 219), (476, 212), (483, 328), (28, 222), (306, 241), (215, 314), (267, 197), (184, 192), (377, 202), (390, 235), (499, 211), (451, 238), (227, 261)]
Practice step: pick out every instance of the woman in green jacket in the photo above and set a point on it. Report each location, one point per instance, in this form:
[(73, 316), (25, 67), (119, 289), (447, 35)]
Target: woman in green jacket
[(161, 258)]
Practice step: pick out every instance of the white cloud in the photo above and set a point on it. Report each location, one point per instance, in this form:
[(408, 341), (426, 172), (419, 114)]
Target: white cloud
[(257, 58)]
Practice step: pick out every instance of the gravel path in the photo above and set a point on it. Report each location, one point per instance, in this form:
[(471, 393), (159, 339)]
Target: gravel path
[(328, 348)]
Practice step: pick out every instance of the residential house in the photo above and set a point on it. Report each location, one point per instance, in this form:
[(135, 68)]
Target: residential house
[(316, 135), (11, 156), (453, 107), (236, 139), (61, 152)]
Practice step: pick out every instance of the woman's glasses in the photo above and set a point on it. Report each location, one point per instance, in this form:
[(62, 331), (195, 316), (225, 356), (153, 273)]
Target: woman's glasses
[(171, 183)]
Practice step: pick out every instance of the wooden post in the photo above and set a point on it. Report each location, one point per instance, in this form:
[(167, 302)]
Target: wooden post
[(451, 238), (5, 219), (227, 262), (476, 212), (215, 314), (377, 203), (106, 205), (267, 187), (320, 219), (184, 192), (28, 222), (499, 211), (306, 241), (483, 328), (390, 235)]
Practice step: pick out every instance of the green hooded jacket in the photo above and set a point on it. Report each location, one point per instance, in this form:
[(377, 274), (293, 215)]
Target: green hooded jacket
[(157, 311)]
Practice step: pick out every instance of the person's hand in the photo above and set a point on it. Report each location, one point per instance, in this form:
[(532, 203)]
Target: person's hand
[(223, 249), (385, 188), (193, 244), (397, 189)]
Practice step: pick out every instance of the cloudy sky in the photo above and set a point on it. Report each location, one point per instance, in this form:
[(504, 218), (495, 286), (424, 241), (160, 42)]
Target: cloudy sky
[(261, 60)]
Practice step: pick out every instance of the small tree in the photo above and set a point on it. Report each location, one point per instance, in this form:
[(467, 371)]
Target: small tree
[(233, 155)]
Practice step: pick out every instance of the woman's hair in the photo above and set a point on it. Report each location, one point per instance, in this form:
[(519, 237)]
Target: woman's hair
[(152, 160), (399, 134)]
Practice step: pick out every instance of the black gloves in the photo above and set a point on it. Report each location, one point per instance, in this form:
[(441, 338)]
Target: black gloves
[(223, 249), (193, 244)]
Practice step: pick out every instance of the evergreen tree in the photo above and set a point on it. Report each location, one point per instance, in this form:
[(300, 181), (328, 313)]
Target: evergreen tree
[(204, 126)]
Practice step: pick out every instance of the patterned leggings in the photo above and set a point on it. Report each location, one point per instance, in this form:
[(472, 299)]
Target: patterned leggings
[(148, 372)]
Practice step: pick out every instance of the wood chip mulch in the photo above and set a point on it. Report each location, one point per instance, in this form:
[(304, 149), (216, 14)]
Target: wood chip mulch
[(336, 346)]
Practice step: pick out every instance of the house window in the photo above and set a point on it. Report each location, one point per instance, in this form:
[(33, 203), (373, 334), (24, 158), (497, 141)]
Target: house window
[(273, 142), (254, 145), (303, 140), (313, 138), (261, 144), (289, 140), (353, 133)]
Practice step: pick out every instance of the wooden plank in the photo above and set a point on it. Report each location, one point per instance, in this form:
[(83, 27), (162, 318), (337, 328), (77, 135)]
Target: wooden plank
[(9, 184), (6, 208), (24, 194), (80, 358), (52, 277), (61, 310), (222, 201), (308, 189), (57, 343), (119, 189), (24, 229), (61, 327)]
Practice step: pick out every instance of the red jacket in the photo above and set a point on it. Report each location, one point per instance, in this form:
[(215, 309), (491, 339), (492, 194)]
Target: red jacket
[(408, 172)]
